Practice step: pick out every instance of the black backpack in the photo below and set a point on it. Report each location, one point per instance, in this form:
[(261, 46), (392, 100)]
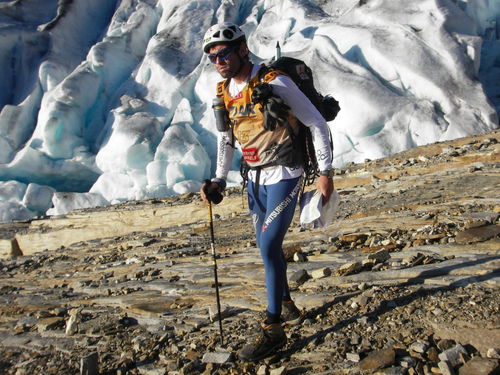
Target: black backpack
[(302, 76)]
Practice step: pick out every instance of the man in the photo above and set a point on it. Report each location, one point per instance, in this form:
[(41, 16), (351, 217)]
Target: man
[(275, 176)]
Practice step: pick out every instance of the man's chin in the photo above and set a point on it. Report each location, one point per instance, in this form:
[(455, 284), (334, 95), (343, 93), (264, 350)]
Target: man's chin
[(225, 73)]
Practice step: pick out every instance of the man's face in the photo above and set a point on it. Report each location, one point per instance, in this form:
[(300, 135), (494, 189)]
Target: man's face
[(226, 59)]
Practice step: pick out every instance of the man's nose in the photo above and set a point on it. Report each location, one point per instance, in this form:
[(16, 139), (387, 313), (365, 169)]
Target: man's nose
[(220, 61)]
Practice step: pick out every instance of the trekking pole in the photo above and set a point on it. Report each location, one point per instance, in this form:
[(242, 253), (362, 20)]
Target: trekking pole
[(212, 245)]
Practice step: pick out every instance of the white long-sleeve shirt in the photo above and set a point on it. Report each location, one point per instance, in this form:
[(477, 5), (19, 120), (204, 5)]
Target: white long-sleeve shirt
[(302, 108)]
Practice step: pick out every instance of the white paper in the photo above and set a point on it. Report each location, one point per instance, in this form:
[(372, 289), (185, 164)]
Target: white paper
[(312, 211)]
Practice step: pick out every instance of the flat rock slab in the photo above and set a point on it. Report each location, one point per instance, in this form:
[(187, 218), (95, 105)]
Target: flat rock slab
[(217, 357), (481, 338), (480, 366), (475, 265), (377, 360), (478, 234)]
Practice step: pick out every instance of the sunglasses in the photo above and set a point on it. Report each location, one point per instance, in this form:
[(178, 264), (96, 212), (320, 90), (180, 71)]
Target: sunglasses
[(224, 54)]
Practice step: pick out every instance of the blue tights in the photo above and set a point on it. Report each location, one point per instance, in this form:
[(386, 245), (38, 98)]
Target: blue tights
[(273, 208)]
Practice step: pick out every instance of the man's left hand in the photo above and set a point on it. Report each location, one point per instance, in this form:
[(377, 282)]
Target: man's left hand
[(325, 187)]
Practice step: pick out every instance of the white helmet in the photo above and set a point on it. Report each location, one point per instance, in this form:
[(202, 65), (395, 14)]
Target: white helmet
[(222, 33)]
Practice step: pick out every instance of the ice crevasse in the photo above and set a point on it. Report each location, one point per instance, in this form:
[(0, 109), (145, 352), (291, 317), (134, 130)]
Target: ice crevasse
[(121, 110)]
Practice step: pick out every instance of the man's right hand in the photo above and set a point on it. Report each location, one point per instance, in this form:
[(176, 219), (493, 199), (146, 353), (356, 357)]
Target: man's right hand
[(211, 191), (325, 187)]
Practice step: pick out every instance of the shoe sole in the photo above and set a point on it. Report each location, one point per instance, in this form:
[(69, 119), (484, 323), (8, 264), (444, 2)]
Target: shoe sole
[(294, 322), (265, 354)]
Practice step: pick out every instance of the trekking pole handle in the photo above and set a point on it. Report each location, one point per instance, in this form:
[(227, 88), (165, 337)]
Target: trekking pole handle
[(213, 194)]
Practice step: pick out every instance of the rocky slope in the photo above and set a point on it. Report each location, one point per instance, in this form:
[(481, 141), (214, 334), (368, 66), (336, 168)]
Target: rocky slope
[(405, 281)]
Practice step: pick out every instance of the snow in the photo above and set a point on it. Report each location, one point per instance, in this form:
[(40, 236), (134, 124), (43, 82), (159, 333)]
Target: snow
[(121, 110)]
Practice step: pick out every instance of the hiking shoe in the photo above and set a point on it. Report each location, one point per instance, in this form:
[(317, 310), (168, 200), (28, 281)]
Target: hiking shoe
[(271, 339), (290, 314)]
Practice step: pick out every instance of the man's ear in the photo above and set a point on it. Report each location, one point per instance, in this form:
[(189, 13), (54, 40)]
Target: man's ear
[(243, 50)]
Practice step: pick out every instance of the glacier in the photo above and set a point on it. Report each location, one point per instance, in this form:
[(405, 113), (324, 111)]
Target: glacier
[(105, 101)]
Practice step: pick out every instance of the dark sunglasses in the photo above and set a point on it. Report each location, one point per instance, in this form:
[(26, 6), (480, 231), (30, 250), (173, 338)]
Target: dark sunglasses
[(224, 54)]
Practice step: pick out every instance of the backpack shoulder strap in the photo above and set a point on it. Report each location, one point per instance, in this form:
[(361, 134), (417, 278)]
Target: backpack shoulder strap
[(221, 86), (272, 74), (267, 73)]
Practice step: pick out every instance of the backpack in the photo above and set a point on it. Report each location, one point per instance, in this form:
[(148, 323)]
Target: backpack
[(302, 76)]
